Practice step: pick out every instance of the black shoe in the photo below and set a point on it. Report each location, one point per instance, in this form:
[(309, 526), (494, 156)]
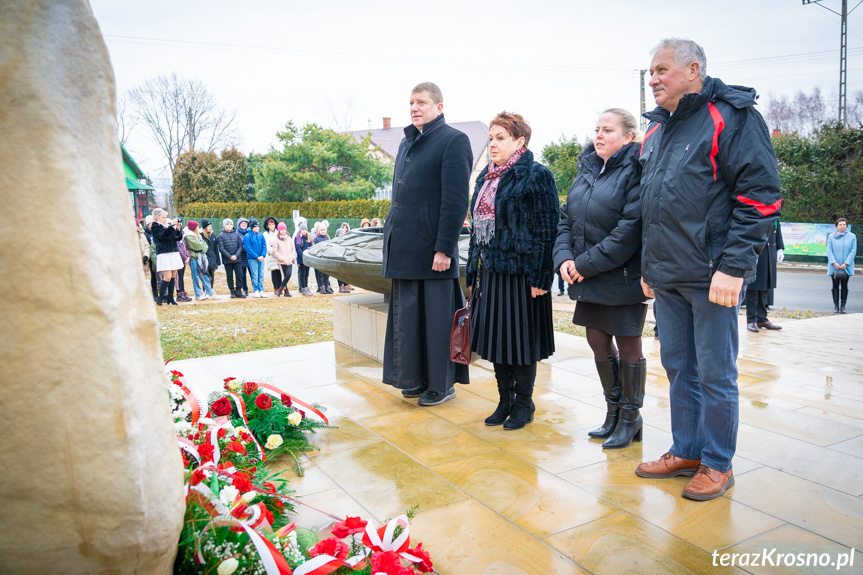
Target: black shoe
[(842, 309), (436, 397), (417, 391), (243, 294), (287, 293), (506, 392), (520, 416), (836, 308), (752, 327), (523, 409)]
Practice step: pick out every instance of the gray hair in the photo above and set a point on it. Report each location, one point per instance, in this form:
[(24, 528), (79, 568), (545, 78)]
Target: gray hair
[(157, 213), (685, 52), (627, 122), (434, 92)]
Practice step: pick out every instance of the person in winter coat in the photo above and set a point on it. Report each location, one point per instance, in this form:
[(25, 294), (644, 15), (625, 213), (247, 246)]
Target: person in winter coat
[(144, 245), (509, 269), (841, 251), (765, 280), (302, 242), (321, 278), (709, 197), (270, 234), (343, 229), (198, 261), (214, 258), (256, 251), (243, 229), (365, 223), (286, 255), (420, 251), (598, 252), (181, 273), (155, 280), (230, 244), (168, 261)]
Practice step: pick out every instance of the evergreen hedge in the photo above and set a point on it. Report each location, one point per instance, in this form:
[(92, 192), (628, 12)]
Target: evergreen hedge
[(355, 209)]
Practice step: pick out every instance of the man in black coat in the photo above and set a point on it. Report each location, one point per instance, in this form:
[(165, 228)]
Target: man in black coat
[(421, 232), (709, 196), (765, 280)]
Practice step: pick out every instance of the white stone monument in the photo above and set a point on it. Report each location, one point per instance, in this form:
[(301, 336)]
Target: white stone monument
[(90, 474)]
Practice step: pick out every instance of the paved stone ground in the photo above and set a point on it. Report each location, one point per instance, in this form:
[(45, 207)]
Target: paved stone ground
[(546, 499)]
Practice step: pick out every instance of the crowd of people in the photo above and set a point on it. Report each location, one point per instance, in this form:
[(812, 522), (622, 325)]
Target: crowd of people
[(246, 252), (678, 215)]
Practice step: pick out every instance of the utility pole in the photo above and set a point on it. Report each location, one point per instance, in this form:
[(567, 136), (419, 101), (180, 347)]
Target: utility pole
[(843, 54), (190, 129), (642, 120)]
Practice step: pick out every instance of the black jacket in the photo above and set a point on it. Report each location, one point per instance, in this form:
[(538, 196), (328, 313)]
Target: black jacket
[(600, 228), (429, 201), (709, 189), (213, 256), (525, 222), (765, 276), (230, 244), (165, 238)]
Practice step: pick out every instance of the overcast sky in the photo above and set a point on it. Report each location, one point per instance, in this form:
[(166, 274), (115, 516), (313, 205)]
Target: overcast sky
[(559, 63)]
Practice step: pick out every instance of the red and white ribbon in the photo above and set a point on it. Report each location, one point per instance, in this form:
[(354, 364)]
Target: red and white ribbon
[(241, 407), (278, 393), (189, 447), (382, 539)]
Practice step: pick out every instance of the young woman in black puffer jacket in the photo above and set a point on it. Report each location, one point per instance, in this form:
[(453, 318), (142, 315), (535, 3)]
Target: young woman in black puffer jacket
[(598, 252)]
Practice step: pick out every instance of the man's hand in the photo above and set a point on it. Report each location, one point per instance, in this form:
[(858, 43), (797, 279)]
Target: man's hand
[(648, 291), (536, 292), (725, 289), (233, 258), (260, 258), (441, 262)]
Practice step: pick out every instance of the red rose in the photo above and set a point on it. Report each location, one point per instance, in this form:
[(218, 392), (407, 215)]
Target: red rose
[(242, 482), (245, 437), (425, 563), (286, 400), (389, 563), (269, 515), (350, 525), (221, 406), (264, 402), (330, 546), (205, 450), (222, 432), (302, 413), (236, 447), (250, 387)]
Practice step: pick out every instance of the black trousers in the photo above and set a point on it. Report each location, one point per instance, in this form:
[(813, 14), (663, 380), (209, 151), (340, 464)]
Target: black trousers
[(276, 276), (416, 348), (840, 290), (756, 306), (285, 272), (322, 279), (153, 281), (180, 275), (232, 270), (303, 276), (241, 281)]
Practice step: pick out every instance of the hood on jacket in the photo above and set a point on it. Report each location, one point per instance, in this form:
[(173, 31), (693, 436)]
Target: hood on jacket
[(713, 88), (264, 227), (585, 163)]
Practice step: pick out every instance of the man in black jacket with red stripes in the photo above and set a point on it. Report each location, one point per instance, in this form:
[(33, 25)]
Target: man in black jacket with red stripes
[(710, 195)]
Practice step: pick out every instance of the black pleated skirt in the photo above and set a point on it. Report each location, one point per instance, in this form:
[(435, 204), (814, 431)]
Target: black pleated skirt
[(509, 326), (622, 320)]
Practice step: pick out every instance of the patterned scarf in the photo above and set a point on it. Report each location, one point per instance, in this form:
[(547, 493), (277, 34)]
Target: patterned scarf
[(483, 212)]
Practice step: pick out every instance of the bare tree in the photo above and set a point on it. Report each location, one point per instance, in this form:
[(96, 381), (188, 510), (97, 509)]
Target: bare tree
[(342, 113), (802, 114), (126, 122), (181, 114)]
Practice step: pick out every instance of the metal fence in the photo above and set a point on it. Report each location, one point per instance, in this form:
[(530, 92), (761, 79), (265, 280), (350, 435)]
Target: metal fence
[(334, 224)]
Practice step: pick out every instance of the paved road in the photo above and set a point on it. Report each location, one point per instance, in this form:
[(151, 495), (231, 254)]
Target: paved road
[(810, 290)]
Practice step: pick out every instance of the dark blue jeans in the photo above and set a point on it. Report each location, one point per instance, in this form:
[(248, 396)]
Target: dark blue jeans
[(698, 347)]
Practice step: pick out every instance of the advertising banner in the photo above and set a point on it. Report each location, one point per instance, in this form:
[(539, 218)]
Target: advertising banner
[(807, 239)]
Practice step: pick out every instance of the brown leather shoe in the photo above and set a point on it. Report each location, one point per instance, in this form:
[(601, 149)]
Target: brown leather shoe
[(667, 466), (708, 484), (768, 325)]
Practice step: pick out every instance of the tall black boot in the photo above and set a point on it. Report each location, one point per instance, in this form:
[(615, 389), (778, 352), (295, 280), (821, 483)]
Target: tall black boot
[(609, 376), (163, 293), (523, 408), (171, 299), (843, 299), (835, 292), (506, 390), (630, 424)]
